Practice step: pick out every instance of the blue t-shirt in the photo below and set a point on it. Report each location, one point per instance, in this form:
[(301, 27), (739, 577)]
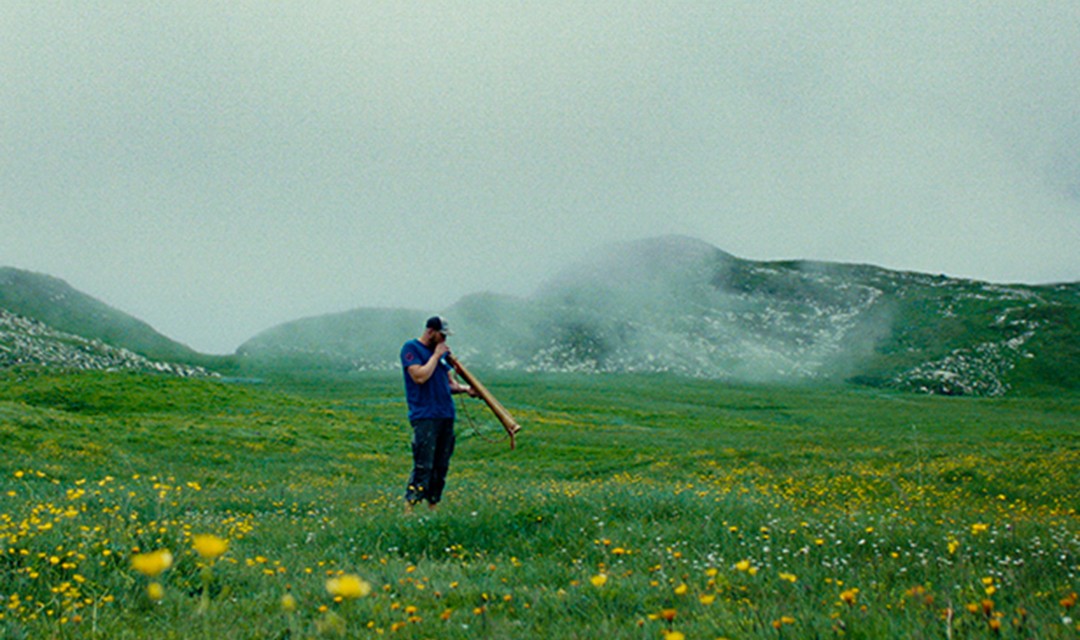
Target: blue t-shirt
[(431, 399)]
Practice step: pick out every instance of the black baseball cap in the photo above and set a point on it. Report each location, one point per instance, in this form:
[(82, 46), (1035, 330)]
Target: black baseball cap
[(439, 324)]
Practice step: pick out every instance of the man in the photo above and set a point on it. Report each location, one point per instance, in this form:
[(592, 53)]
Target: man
[(429, 386)]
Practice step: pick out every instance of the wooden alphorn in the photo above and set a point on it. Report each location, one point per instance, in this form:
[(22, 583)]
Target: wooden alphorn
[(508, 422)]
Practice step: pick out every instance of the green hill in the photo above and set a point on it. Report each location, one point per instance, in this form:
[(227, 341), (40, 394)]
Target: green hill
[(663, 305), (47, 321), (679, 305)]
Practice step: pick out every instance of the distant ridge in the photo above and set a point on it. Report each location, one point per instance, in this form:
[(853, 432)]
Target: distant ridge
[(662, 305), (677, 304), (58, 305)]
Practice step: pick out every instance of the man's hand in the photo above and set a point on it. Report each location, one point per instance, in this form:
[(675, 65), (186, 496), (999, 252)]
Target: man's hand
[(441, 350)]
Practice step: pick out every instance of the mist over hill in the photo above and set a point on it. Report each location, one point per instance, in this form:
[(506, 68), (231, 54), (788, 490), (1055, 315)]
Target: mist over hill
[(663, 305), (679, 305)]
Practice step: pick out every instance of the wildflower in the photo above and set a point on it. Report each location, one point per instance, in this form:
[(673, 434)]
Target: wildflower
[(743, 565), (331, 623), (155, 591), (674, 635), (978, 528), (152, 564), (681, 589), (209, 547), (707, 598), (953, 546), (348, 586), (288, 603), (849, 596), (599, 580), (667, 614), (1068, 601), (790, 577)]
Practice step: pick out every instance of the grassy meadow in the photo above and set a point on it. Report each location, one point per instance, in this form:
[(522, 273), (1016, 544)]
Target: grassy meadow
[(137, 506)]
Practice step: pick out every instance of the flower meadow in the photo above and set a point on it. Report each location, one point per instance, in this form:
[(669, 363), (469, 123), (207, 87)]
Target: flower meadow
[(634, 507)]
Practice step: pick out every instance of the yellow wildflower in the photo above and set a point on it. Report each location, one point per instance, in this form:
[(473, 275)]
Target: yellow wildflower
[(599, 580), (152, 564), (209, 547), (681, 589), (155, 591), (743, 565), (288, 603), (348, 586)]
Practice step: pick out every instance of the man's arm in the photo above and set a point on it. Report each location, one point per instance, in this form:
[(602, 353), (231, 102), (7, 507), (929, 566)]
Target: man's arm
[(421, 373)]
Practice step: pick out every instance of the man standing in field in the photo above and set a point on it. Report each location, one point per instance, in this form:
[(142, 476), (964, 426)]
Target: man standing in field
[(429, 386)]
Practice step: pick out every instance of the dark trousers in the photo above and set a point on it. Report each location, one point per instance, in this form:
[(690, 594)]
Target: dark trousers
[(432, 446)]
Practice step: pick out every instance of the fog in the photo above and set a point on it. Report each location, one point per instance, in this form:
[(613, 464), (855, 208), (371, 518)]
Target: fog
[(219, 168), (671, 304)]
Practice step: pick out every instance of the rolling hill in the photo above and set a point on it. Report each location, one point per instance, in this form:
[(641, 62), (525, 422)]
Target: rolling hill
[(44, 320), (663, 305), (678, 305)]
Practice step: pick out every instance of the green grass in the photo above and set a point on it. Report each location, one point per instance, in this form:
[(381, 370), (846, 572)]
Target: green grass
[(743, 511)]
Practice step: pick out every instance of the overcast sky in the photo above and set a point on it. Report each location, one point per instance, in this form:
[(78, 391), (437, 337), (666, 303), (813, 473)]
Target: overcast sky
[(216, 168)]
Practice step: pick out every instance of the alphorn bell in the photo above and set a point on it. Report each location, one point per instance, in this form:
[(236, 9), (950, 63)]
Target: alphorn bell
[(508, 422)]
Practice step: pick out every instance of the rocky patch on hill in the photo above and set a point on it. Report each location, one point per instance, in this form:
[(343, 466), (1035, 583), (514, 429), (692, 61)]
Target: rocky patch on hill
[(24, 341)]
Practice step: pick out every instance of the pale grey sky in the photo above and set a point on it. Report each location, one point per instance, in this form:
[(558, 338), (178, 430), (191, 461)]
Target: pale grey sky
[(216, 168)]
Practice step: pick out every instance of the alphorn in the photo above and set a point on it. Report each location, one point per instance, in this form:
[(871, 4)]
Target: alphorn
[(508, 422)]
